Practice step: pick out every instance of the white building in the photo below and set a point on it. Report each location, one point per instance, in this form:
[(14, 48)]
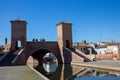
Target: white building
[(101, 50)]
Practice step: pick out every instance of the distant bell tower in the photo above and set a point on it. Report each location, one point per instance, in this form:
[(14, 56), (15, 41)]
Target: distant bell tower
[(18, 34), (6, 40)]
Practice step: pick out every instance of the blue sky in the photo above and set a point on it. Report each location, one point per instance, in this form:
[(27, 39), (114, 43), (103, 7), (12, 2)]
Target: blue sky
[(93, 20)]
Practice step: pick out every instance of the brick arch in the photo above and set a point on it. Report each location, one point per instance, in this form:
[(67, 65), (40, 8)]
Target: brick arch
[(41, 52), (38, 54), (32, 47), (38, 49), (43, 49)]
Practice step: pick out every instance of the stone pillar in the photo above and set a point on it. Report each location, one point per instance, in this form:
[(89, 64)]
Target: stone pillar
[(18, 33), (64, 34)]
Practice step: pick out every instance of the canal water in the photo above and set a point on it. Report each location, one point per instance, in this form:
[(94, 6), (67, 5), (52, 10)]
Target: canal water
[(55, 71), (1, 55)]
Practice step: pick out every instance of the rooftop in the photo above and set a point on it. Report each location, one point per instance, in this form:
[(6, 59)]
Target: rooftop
[(64, 23)]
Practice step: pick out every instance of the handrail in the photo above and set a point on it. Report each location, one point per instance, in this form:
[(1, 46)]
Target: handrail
[(4, 56), (74, 53), (17, 56)]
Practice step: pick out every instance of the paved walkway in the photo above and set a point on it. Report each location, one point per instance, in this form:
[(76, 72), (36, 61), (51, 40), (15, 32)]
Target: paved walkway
[(19, 73), (105, 64)]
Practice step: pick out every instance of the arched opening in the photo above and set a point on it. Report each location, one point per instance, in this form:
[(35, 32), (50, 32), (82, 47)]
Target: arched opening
[(41, 54), (67, 44), (18, 44), (38, 55), (43, 58)]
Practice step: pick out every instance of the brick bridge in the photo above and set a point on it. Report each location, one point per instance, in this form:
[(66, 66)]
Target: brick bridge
[(62, 48)]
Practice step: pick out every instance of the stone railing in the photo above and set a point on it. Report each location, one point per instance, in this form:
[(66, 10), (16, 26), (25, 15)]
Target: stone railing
[(4, 56), (14, 60), (83, 54)]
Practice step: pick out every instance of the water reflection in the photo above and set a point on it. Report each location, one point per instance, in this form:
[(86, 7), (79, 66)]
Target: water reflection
[(95, 74), (69, 72), (1, 55), (52, 71), (97, 78), (50, 67)]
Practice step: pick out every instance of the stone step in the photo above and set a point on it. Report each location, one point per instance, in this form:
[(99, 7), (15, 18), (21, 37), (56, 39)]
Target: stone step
[(8, 59)]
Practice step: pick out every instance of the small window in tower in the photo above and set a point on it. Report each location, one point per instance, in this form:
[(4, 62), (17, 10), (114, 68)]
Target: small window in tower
[(18, 44), (67, 44)]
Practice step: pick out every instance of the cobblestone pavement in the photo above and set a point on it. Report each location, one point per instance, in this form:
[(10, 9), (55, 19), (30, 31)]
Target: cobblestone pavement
[(104, 64), (18, 73)]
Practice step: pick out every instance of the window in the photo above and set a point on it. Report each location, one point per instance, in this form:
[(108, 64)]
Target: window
[(18, 44), (67, 44)]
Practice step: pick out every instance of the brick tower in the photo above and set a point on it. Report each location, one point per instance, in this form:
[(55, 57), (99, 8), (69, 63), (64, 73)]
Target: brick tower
[(18, 34), (64, 34)]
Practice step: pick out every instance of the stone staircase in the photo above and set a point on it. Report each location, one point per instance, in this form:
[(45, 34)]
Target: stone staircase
[(70, 56), (75, 56), (6, 61), (83, 55)]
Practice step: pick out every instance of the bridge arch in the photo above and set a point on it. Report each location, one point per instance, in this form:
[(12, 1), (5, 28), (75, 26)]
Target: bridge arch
[(40, 49), (38, 55)]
